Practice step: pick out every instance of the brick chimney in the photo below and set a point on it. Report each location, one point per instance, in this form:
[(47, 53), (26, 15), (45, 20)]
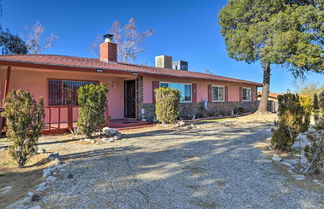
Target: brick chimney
[(108, 49)]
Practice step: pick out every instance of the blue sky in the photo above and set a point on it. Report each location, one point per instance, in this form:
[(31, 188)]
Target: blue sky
[(186, 30)]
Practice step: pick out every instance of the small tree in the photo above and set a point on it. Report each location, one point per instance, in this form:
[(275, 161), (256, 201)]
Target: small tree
[(92, 101), (11, 43), (315, 107), (306, 103), (167, 104), (291, 122), (24, 118)]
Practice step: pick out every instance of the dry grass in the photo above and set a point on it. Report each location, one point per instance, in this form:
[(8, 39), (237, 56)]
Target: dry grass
[(20, 179)]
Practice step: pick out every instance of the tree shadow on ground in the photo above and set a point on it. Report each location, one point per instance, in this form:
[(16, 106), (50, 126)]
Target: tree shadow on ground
[(196, 171)]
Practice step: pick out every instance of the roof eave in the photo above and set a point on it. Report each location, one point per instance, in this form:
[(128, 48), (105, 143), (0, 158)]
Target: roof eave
[(18, 63)]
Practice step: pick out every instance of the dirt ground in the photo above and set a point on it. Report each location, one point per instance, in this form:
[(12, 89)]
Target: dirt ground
[(73, 150)]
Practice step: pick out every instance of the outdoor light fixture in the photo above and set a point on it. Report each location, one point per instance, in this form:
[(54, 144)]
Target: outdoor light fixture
[(99, 70)]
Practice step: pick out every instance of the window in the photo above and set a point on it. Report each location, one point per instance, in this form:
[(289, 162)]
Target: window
[(185, 90), (246, 93), (65, 92), (218, 93)]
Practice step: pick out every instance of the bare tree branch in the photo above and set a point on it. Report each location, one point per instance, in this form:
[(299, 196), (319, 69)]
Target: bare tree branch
[(34, 40), (129, 41)]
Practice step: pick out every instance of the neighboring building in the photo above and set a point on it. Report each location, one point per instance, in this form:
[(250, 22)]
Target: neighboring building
[(57, 79), (272, 101)]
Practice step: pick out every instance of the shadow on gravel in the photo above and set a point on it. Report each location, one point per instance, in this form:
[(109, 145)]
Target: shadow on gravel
[(96, 153), (187, 169)]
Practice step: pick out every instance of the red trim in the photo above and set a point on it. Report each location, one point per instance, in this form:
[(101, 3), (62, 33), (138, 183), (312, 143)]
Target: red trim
[(194, 92), (5, 92), (111, 71), (241, 94), (7, 81), (226, 93), (62, 67), (210, 93), (65, 79), (155, 85)]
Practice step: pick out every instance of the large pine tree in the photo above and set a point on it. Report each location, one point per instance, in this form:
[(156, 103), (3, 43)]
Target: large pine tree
[(275, 32)]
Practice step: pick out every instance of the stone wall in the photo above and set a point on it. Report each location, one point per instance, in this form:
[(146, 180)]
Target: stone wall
[(139, 96), (189, 110), (197, 110)]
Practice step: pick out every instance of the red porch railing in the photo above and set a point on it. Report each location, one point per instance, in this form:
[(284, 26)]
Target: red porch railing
[(59, 119)]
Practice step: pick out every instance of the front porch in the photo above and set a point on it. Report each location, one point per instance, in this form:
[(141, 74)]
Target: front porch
[(62, 119)]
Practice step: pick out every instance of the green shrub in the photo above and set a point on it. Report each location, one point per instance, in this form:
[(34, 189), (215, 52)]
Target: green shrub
[(316, 108), (314, 152), (321, 102), (238, 110), (291, 121), (24, 117), (307, 104), (92, 102), (167, 104)]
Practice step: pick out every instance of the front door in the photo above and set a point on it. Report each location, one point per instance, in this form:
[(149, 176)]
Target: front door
[(130, 98)]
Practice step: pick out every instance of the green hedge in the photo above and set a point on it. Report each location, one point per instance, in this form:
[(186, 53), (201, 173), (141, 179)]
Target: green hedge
[(24, 119), (92, 101), (167, 104), (292, 119)]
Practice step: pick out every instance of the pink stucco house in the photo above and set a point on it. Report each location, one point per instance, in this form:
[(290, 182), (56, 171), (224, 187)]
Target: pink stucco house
[(131, 87)]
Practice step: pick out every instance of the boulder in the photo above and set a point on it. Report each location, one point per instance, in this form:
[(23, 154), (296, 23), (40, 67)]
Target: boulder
[(35, 197), (41, 186), (276, 158), (51, 179), (41, 151), (180, 123), (53, 156), (110, 132), (105, 140)]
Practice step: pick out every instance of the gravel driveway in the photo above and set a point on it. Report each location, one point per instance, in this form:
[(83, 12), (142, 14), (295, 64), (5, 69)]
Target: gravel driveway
[(215, 167)]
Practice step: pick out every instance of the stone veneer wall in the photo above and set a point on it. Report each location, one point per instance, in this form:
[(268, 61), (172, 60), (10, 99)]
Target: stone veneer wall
[(188, 110), (139, 97)]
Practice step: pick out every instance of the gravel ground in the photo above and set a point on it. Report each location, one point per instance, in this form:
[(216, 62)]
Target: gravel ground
[(216, 167)]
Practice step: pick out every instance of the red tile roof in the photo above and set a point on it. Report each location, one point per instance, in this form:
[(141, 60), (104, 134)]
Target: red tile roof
[(90, 63)]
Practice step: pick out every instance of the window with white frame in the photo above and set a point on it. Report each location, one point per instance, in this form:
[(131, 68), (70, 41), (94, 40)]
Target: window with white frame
[(185, 90), (246, 94), (218, 93)]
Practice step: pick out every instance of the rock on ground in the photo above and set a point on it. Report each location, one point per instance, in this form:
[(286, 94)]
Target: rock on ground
[(216, 167)]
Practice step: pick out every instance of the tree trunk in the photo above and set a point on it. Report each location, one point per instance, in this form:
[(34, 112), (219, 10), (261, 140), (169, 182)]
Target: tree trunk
[(265, 89)]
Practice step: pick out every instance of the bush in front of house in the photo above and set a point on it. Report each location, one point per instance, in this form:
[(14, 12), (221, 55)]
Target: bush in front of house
[(167, 104), (24, 120), (92, 103), (291, 121)]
